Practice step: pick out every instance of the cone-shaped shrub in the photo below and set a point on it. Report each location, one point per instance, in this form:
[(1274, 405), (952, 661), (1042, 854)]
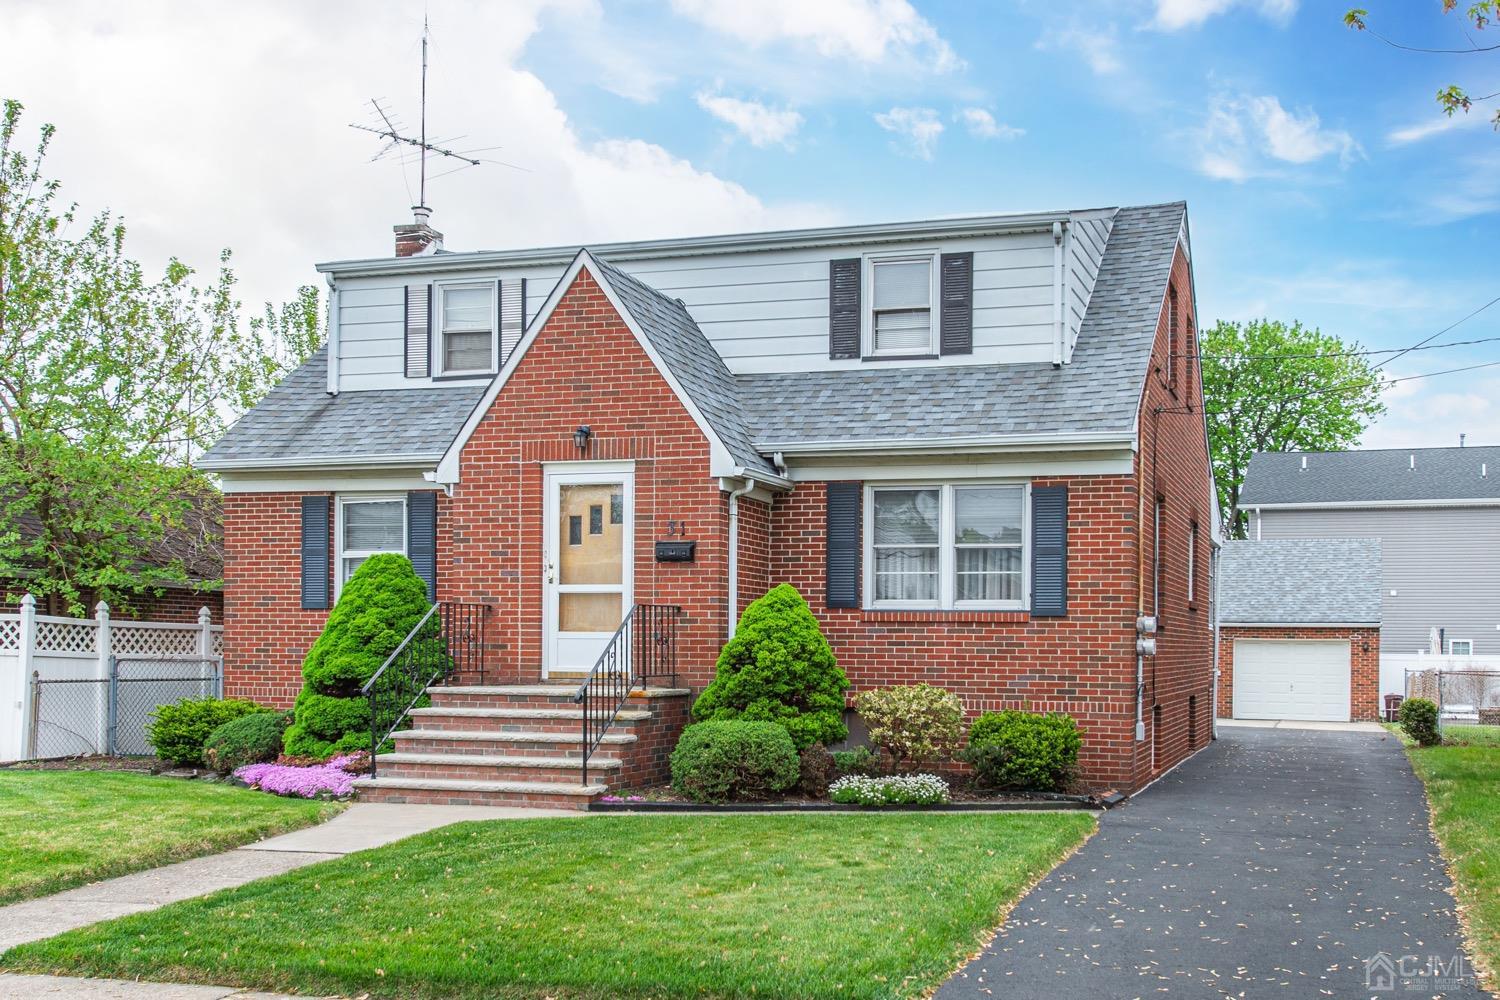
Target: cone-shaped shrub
[(380, 604), (779, 668)]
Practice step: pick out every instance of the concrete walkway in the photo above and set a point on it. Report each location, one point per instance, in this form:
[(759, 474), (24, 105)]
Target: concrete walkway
[(1278, 862), (1313, 727), (361, 826)]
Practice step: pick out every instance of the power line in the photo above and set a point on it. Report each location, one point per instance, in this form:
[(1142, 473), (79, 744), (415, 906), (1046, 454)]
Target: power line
[(1444, 330), (1234, 356), (1354, 386)]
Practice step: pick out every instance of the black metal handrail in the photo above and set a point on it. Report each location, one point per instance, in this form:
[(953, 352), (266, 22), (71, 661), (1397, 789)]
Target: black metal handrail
[(432, 652), (643, 648)]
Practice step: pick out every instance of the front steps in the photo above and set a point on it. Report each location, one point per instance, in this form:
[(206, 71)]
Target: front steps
[(522, 745)]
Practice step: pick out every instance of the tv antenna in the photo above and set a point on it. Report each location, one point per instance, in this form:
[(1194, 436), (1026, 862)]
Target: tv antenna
[(388, 127)]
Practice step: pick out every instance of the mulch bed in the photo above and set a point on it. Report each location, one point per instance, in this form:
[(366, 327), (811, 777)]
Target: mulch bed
[(91, 762), (662, 798)]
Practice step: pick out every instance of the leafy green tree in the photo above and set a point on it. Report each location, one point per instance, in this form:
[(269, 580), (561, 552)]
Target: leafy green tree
[(1452, 98), (110, 384), (779, 668), (379, 606), (1268, 386)]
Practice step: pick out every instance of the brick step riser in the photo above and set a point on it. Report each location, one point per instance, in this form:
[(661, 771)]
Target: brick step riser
[(461, 699), (491, 772), (374, 793), (504, 726), (510, 746)]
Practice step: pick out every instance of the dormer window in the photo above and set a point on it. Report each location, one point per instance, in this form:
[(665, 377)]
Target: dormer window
[(466, 337), (901, 312)]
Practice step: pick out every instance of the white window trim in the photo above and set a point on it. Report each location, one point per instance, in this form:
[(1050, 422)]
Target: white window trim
[(1468, 651), (338, 532), (439, 354), (867, 306), (947, 548)]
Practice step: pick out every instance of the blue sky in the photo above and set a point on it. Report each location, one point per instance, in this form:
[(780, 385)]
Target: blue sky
[(1322, 182)]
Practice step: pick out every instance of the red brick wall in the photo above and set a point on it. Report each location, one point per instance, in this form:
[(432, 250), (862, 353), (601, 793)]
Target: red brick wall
[(266, 631), (1172, 462), (170, 606), (585, 368), (1364, 663)]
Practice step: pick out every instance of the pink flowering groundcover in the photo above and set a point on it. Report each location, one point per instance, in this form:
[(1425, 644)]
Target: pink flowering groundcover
[(333, 779)]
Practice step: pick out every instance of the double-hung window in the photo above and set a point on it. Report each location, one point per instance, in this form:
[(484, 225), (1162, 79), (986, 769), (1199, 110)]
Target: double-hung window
[(368, 526), (902, 317), (946, 546), (1460, 647), (466, 333)]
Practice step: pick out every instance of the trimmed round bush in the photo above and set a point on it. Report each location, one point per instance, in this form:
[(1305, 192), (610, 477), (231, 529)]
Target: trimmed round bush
[(1419, 720), (379, 606), (914, 724), (178, 731), (779, 668), (734, 760), (1024, 750), (250, 739)]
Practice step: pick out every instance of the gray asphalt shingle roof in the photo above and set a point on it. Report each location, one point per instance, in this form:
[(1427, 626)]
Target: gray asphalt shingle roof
[(299, 421), (693, 361), (1390, 475), (1099, 390), (1300, 581)]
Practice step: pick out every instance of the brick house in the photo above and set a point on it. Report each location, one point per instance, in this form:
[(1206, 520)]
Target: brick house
[(976, 446)]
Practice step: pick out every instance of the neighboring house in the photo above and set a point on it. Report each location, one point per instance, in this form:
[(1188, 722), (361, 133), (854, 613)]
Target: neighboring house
[(196, 543), (975, 445), (1436, 512), (1299, 629)]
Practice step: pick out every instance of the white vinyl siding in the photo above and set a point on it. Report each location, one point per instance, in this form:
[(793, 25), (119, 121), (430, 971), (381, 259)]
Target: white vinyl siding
[(367, 526), (946, 546), (767, 311), (1087, 236)]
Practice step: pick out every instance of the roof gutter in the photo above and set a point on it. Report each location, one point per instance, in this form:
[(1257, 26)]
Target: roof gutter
[(981, 225), (1083, 441), (319, 463), (1375, 624), (1356, 504)]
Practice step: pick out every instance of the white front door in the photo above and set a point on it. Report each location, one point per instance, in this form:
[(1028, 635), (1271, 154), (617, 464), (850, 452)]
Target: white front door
[(587, 570), (1304, 679)]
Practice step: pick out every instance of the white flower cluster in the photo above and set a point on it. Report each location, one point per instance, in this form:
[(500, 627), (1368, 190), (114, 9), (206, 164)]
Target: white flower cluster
[(896, 790)]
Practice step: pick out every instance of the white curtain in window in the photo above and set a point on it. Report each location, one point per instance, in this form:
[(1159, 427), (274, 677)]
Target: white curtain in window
[(467, 309), (987, 536), (375, 526), (906, 545), (905, 284)]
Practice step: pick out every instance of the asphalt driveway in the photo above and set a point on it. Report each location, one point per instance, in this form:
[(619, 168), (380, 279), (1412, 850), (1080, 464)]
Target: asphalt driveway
[(1275, 863)]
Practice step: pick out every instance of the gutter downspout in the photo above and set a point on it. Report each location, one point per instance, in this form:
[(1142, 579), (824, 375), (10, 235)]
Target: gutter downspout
[(1213, 612), (1058, 335), (333, 337), (734, 552)]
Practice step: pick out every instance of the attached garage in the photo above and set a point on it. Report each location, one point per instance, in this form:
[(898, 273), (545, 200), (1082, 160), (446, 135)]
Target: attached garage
[(1299, 629)]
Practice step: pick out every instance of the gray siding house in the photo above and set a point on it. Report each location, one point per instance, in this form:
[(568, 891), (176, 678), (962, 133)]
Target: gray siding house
[(1436, 512)]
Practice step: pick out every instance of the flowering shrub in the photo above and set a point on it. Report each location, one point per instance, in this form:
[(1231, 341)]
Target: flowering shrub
[(334, 779), (897, 790), (913, 724)]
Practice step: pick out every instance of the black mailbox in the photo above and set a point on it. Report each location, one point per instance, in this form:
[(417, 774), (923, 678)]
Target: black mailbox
[(675, 551)]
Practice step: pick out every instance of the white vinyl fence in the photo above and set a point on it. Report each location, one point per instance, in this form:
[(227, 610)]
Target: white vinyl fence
[(56, 692)]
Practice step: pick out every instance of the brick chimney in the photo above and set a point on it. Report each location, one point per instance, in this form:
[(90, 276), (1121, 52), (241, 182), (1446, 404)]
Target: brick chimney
[(417, 237)]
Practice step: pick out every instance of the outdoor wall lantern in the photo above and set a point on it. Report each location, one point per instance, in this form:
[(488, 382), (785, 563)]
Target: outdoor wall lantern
[(581, 437)]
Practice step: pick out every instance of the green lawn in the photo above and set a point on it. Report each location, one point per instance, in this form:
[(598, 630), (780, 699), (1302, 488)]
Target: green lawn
[(65, 828), (1472, 736), (1463, 785), (840, 905)]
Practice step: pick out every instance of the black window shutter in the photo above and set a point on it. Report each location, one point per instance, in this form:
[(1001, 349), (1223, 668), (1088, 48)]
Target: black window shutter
[(421, 537), (315, 563), (957, 292), (418, 331), (845, 540), (843, 308), (1049, 551)]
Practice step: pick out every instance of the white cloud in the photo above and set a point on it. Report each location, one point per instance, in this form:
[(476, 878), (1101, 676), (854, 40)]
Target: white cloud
[(1174, 15), (982, 125), (282, 180), (1418, 131), (867, 31), (761, 124), (917, 129), (1099, 47), (1247, 136)]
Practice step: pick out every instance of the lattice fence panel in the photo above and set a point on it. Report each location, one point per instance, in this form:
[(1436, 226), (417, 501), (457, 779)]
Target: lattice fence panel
[(65, 637), (10, 634), (134, 640), (216, 644)]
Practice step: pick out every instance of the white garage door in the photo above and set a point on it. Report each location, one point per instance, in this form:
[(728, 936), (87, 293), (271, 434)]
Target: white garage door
[(1291, 679)]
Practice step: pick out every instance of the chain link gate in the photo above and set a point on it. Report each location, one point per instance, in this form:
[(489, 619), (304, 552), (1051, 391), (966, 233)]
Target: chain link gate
[(93, 715)]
